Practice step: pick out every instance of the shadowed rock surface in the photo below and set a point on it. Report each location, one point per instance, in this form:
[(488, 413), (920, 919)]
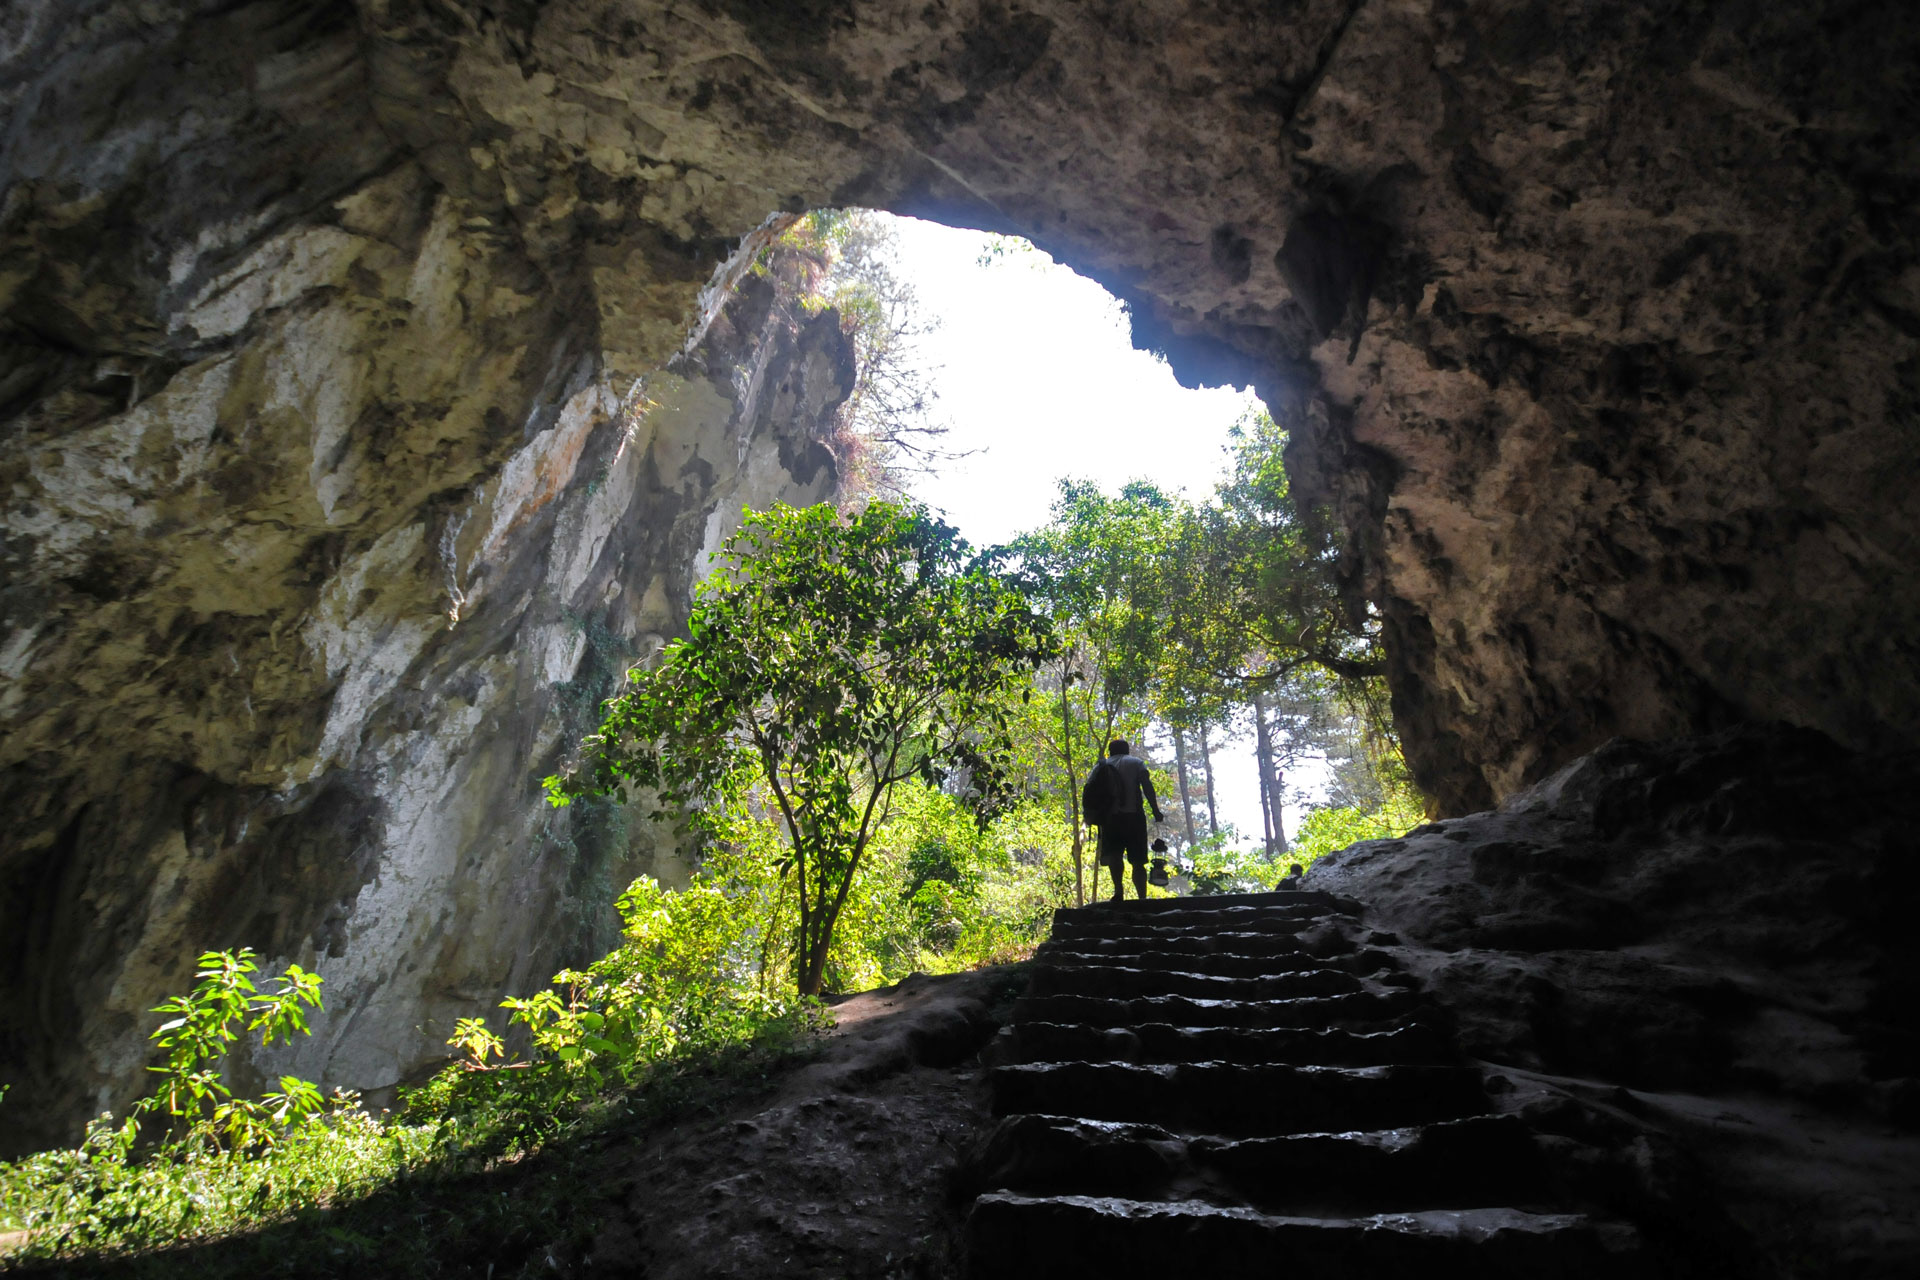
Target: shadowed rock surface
[(324, 325), (1695, 963)]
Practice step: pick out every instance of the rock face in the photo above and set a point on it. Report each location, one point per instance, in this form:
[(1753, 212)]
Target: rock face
[(1598, 328), (1699, 956), (300, 615)]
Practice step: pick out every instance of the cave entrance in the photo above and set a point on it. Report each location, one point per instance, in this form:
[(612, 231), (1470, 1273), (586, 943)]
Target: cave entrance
[(992, 374)]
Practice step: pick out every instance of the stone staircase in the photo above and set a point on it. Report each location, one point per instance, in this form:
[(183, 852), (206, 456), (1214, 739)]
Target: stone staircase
[(1242, 1086)]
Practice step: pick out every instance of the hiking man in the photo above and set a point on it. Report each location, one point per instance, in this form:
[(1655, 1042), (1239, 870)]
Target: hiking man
[(1111, 801)]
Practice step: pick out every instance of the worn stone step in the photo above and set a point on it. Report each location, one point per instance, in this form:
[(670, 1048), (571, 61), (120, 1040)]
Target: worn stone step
[(1466, 1163), (1293, 900), (1147, 927), (1324, 942), (1217, 964), (1353, 1009), (1244, 914), (1244, 1100), (1119, 982), (1478, 1160), (1029, 1041), (1011, 1236)]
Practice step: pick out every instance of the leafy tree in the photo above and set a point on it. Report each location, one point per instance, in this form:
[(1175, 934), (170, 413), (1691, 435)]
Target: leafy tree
[(830, 658), (1330, 829), (1258, 615), (1095, 572)]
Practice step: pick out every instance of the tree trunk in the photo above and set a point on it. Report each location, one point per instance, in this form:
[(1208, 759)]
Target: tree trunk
[(1279, 815), (1186, 795), (1263, 759), (1206, 765), (1073, 795)]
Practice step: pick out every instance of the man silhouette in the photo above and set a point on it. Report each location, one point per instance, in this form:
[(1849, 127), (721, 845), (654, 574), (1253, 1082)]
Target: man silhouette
[(1125, 782)]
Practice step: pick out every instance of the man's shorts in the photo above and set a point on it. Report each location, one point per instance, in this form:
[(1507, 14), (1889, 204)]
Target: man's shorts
[(1124, 833)]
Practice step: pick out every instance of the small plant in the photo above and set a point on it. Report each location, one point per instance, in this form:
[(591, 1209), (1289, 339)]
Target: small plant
[(472, 1037), (223, 1008)]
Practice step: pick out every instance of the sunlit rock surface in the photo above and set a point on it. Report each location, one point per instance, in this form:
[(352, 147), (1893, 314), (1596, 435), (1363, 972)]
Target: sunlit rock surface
[(1597, 325), (1699, 961), (313, 570)]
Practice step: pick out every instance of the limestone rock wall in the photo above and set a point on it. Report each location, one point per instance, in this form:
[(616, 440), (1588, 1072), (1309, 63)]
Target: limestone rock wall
[(329, 521), (1597, 326)]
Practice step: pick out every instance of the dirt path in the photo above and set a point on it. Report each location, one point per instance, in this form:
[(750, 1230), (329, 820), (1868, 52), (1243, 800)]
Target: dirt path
[(841, 1172)]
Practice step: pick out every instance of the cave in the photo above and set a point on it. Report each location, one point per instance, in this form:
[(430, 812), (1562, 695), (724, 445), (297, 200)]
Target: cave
[(374, 376)]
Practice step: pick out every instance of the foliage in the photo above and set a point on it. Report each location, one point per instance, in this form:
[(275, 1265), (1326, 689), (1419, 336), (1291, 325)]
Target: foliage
[(828, 659), (220, 1157), (1329, 830), (224, 1006), (1221, 864), (845, 259), (996, 249), (623, 1040), (1252, 590), (1095, 565), (966, 896)]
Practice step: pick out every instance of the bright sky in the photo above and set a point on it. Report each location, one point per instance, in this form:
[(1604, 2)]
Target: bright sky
[(1034, 369)]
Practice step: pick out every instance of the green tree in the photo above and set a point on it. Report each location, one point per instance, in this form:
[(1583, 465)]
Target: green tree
[(221, 1009), (830, 658), (1260, 613), (1095, 570)]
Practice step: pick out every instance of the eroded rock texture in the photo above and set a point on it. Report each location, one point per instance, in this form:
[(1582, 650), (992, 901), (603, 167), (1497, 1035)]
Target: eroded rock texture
[(327, 529), (1695, 963), (1597, 325)]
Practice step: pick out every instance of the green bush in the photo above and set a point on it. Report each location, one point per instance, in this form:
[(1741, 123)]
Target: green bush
[(1219, 866), (193, 1161), (1328, 830)]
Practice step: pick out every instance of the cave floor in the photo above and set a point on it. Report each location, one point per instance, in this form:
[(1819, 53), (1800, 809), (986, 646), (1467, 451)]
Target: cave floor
[(842, 1171)]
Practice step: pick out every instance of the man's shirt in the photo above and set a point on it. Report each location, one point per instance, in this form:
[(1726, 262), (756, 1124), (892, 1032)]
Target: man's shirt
[(1135, 780)]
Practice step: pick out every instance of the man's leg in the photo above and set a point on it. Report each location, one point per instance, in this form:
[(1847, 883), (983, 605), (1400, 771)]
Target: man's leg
[(1136, 837), (1118, 892)]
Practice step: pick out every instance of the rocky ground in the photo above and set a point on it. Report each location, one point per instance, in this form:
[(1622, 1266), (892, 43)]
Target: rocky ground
[(844, 1171)]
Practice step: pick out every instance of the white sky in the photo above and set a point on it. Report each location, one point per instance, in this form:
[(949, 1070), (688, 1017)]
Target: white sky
[(1034, 368)]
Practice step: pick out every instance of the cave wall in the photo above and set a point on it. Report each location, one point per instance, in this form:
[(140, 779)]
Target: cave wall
[(326, 533), (1596, 325)]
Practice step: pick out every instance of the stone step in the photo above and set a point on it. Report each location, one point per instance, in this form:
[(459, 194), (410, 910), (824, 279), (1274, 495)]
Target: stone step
[(1011, 1236), (1358, 1008), (1294, 900), (1182, 914), (1220, 965), (1240, 1099), (1467, 1163), (1120, 983), (1302, 943), (1030, 1041), (1156, 930)]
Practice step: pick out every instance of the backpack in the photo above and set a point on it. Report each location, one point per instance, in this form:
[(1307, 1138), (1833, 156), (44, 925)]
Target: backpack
[(1099, 798)]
